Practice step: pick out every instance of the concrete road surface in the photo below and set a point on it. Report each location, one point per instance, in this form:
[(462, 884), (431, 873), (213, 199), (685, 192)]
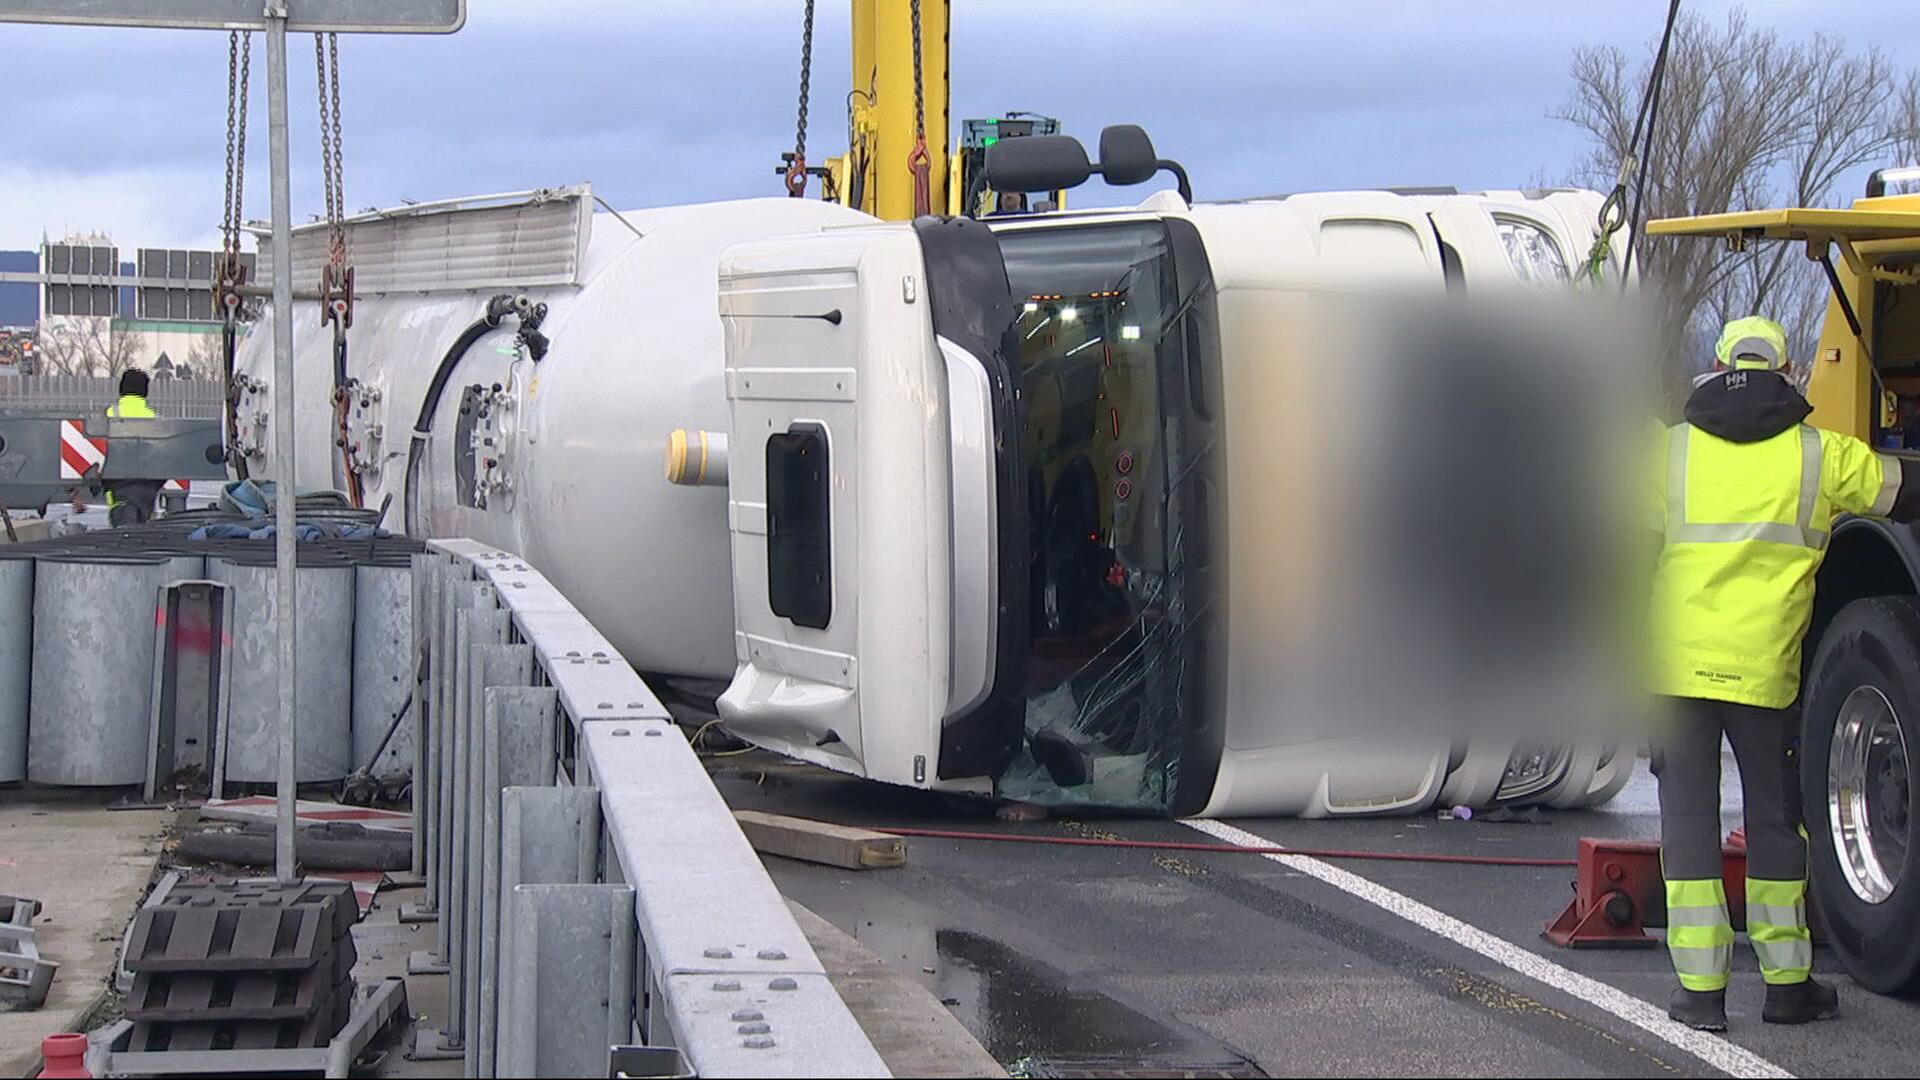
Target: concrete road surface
[(88, 866), (1085, 960)]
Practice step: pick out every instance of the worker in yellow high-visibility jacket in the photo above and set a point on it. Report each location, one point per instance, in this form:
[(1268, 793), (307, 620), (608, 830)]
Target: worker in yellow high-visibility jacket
[(1745, 495), (129, 502)]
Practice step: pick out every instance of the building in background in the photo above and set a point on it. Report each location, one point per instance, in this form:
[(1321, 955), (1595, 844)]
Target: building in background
[(19, 311), (19, 300), (78, 307)]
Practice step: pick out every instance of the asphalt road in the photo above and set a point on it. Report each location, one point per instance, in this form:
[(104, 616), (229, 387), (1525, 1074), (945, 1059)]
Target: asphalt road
[(1084, 960)]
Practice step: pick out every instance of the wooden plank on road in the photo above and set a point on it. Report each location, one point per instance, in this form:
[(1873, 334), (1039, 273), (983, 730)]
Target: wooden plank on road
[(820, 841)]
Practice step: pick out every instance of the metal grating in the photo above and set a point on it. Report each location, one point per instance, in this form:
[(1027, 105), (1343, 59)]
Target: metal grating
[(525, 239)]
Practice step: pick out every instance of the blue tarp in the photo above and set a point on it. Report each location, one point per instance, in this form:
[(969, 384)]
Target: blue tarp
[(248, 497), (305, 530)]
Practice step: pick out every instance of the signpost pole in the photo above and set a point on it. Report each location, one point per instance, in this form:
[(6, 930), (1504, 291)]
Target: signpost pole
[(284, 867)]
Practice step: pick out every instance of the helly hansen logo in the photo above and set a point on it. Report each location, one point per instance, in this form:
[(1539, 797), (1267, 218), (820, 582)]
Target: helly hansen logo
[(1736, 380)]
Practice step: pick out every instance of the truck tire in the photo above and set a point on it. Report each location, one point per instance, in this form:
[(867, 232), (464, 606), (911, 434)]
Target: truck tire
[(1861, 717)]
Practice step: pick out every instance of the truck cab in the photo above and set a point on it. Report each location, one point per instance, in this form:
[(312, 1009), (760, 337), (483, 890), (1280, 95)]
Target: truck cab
[(982, 536)]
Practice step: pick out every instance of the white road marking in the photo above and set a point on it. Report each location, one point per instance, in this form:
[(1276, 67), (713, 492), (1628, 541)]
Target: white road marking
[(1715, 1050)]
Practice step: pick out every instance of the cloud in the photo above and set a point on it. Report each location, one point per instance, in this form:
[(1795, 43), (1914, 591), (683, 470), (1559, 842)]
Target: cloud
[(661, 103), (136, 207)]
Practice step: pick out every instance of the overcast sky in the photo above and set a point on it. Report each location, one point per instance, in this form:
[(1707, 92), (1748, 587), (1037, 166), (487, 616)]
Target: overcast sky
[(656, 103)]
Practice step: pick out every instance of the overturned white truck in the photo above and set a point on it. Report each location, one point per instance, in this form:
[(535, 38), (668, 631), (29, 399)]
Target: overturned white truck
[(1038, 507)]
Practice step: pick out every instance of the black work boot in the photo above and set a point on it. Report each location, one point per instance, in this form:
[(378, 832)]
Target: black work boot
[(1800, 1003), (1702, 1010)]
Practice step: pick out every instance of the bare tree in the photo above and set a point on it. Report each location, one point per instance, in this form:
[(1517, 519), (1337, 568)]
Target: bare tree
[(1906, 121), (1745, 120), (80, 345), (204, 360)]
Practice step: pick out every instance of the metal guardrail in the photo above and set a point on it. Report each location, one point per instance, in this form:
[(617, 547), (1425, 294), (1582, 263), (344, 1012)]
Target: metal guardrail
[(590, 885), (87, 396)]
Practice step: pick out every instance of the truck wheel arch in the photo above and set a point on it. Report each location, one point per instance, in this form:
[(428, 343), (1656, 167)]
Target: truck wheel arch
[(1865, 557)]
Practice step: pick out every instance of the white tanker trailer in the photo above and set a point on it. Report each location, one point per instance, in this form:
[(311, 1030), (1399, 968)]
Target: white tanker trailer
[(566, 345), (557, 457)]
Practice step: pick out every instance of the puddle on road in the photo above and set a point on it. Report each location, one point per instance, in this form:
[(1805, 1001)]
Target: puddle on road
[(1032, 1017), (1029, 1016), (1018, 1008)]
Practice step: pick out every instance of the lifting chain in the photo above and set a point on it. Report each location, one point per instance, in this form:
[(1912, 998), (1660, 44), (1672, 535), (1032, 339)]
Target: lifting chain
[(1614, 212), (231, 273), (336, 279), (797, 169), (919, 161)]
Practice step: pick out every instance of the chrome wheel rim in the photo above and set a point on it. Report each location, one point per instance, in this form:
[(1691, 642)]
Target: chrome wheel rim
[(1868, 794)]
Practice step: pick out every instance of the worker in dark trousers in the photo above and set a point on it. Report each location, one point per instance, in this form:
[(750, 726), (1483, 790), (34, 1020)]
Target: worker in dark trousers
[(129, 502), (1745, 495)]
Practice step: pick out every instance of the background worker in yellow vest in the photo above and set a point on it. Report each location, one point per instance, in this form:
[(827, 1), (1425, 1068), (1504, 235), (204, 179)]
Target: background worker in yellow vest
[(129, 502), (1745, 495)]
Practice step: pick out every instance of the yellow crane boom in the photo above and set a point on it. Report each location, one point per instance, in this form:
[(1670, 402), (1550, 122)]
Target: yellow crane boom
[(874, 174)]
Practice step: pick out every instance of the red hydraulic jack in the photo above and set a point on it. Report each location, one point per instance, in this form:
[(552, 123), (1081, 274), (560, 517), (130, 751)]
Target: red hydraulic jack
[(1618, 892)]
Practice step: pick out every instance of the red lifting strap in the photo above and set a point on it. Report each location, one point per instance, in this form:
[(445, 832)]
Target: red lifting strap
[(919, 163)]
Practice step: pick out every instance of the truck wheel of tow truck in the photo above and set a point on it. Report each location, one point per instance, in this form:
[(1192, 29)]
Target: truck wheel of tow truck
[(1861, 721)]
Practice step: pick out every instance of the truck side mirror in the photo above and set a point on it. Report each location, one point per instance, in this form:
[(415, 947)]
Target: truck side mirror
[(1126, 155), (1037, 163)]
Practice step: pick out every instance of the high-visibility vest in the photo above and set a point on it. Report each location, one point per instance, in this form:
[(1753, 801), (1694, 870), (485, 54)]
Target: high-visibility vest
[(1746, 527), (129, 407)]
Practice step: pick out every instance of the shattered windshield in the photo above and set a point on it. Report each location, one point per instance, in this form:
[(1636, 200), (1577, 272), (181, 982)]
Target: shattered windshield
[(1101, 372)]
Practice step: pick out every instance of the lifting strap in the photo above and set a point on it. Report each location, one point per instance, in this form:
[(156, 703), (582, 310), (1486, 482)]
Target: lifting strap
[(1615, 212)]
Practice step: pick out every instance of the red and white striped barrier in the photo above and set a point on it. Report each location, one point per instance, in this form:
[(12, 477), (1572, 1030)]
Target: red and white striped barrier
[(80, 452), (307, 812), (366, 884)]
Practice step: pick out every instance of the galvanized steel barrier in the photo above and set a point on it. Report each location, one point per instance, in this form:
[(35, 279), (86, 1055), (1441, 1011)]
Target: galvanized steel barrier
[(119, 666), (591, 888)]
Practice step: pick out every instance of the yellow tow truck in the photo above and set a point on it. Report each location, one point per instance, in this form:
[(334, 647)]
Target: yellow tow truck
[(1860, 706)]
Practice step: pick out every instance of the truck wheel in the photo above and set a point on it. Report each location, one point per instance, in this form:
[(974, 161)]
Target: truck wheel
[(1862, 717)]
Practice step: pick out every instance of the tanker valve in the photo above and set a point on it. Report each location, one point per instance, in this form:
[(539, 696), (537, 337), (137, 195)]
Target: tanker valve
[(696, 458)]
